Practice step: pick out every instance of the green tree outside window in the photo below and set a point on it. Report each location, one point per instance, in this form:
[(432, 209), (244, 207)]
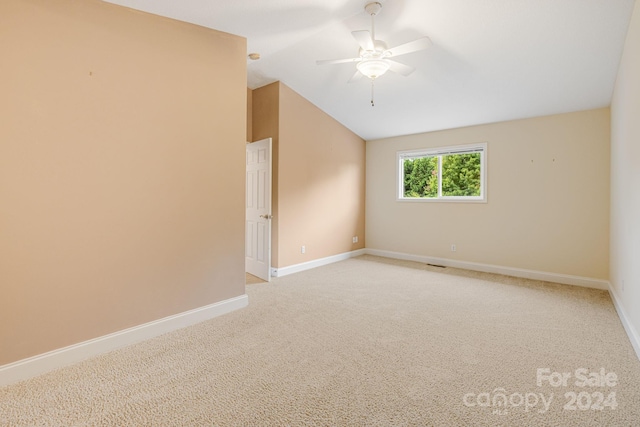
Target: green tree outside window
[(461, 175)]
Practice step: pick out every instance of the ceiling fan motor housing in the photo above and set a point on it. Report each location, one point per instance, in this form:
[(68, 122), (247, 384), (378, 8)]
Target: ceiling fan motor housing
[(380, 48)]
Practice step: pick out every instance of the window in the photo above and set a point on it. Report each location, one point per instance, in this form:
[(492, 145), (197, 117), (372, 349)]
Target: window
[(456, 174)]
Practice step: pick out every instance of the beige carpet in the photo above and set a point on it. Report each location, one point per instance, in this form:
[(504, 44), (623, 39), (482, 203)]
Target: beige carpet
[(364, 342)]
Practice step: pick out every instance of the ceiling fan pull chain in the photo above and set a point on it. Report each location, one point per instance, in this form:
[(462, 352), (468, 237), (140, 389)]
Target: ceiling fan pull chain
[(372, 104)]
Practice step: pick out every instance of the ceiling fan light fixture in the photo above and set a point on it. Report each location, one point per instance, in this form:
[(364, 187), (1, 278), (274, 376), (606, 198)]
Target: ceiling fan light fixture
[(373, 68), (372, 57)]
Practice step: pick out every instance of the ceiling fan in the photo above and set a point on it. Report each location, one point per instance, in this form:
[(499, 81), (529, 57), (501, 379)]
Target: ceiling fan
[(374, 57)]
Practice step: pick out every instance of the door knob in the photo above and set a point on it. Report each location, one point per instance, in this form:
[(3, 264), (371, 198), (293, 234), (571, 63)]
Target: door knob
[(267, 216)]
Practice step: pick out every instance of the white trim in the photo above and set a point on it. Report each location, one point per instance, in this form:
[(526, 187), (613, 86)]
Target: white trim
[(488, 268), (297, 268), (36, 365), (632, 333)]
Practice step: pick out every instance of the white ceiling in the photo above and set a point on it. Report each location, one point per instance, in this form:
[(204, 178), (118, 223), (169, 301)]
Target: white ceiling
[(492, 60)]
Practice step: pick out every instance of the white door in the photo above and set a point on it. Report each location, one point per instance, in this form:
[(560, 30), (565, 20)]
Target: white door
[(258, 203)]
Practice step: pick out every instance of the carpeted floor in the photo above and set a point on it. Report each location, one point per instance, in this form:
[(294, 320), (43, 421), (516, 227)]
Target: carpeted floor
[(364, 342)]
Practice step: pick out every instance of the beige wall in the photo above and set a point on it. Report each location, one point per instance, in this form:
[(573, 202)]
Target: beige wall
[(625, 177), (548, 198), (318, 177), (121, 182), (249, 115), (321, 186)]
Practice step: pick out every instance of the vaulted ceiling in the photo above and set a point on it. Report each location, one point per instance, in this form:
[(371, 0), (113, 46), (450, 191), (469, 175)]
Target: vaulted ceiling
[(491, 60)]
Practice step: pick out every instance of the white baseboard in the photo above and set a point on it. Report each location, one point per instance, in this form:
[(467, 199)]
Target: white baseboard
[(488, 268), (285, 271), (634, 337), (36, 365)]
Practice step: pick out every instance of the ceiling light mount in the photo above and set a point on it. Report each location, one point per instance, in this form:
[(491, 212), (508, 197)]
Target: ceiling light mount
[(373, 8)]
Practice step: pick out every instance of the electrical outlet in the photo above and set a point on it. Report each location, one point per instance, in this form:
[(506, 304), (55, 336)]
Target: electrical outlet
[(355, 239), (303, 250), (453, 248)]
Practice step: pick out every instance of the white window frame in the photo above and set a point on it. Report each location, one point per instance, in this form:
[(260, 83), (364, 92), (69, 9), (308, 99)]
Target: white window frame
[(439, 152)]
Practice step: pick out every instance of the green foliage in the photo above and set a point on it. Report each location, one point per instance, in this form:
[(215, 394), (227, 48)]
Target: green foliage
[(460, 176), (421, 177)]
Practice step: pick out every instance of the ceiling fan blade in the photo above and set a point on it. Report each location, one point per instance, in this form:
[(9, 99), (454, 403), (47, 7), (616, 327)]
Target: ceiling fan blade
[(364, 39), (357, 76), (419, 44), (399, 68), (336, 61)]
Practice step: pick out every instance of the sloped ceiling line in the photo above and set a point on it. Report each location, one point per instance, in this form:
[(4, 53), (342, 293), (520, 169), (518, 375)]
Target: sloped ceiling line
[(492, 61)]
